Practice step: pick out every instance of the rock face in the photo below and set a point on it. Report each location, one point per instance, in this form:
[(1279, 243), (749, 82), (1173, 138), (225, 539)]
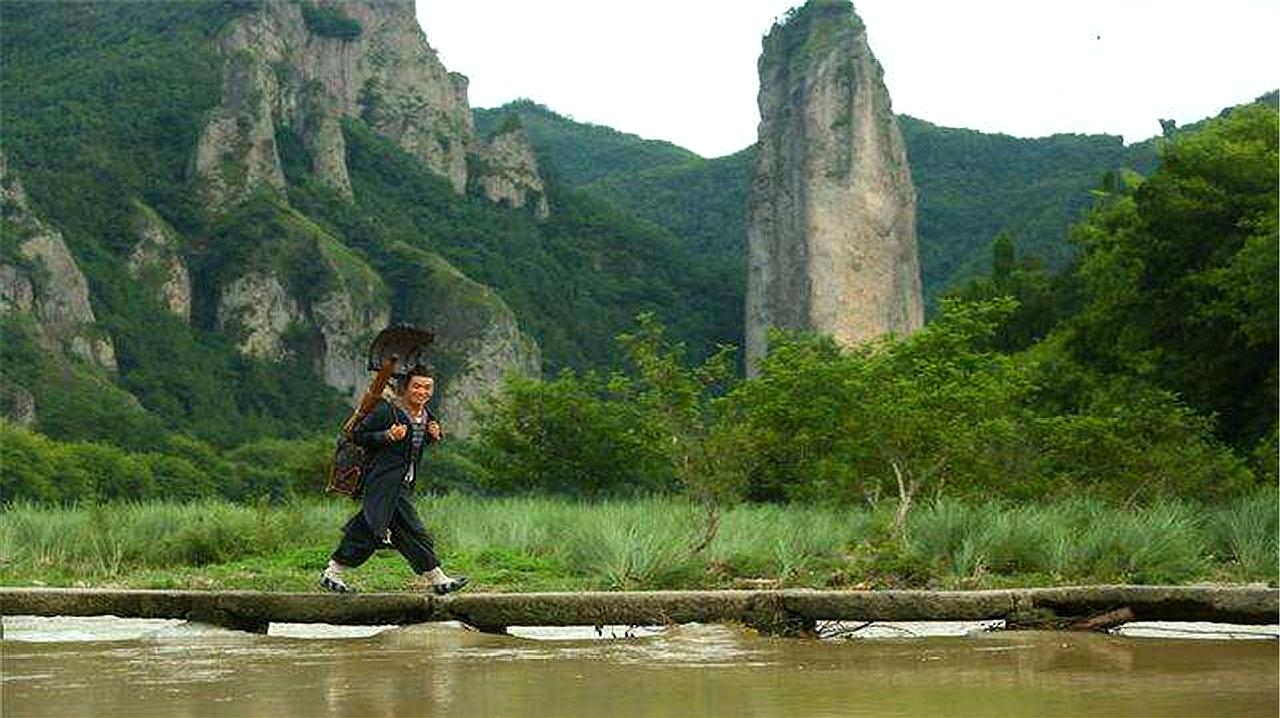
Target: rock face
[(478, 340), (326, 316), (508, 173), (40, 277), (305, 67), (298, 70), (831, 223), (156, 260), (256, 310)]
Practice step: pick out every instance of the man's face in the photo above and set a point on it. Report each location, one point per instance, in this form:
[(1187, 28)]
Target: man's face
[(420, 390)]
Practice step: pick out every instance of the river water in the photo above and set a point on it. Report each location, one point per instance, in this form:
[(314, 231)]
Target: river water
[(111, 667)]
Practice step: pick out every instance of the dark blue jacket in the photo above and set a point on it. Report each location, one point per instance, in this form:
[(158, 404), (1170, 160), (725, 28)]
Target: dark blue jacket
[(388, 462)]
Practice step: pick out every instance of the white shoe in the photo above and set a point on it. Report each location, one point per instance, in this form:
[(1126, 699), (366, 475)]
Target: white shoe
[(453, 584), (331, 581)]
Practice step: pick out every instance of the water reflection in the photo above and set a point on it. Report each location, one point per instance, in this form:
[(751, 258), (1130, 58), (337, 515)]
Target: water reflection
[(178, 669)]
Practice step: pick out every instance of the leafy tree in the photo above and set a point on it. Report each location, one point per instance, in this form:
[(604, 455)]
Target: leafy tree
[(568, 436), (1134, 443), (26, 466), (1180, 274), (912, 414), (116, 474), (651, 428), (1044, 298), (676, 404)]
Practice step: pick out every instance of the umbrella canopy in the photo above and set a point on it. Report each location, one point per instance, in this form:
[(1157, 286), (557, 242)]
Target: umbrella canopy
[(405, 343)]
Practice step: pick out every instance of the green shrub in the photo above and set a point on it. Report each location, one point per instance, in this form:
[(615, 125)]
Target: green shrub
[(1130, 441), (27, 470), (562, 437)]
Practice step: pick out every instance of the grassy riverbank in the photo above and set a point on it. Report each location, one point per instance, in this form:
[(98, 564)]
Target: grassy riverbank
[(532, 544)]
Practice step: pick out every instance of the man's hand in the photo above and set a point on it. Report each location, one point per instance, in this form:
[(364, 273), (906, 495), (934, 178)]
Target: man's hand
[(433, 428), (397, 432)]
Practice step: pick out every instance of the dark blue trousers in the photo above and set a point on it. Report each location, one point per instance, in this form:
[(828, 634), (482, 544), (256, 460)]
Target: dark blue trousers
[(408, 535)]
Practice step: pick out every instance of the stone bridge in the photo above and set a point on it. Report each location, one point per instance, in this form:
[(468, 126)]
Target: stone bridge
[(785, 612)]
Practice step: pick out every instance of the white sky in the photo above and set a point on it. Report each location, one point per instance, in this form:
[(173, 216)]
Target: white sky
[(685, 70)]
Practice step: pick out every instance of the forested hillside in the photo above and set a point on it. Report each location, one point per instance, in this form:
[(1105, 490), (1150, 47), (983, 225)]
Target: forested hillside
[(971, 186), (103, 106)]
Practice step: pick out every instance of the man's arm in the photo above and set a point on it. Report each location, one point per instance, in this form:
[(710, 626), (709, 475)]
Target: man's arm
[(375, 429)]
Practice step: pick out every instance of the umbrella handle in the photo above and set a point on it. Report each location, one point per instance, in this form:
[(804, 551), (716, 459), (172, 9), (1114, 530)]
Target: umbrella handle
[(371, 395)]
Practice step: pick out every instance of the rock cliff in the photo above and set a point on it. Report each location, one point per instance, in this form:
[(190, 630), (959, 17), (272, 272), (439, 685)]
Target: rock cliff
[(478, 340), (40, 278), (306, 67), (831, 222), (508, 173), (157, 260), (304, 294)]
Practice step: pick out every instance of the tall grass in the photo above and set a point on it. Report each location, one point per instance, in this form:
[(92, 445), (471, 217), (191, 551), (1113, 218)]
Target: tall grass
[(1087, 540), (784, 541), (520, 543), (1246, 532)]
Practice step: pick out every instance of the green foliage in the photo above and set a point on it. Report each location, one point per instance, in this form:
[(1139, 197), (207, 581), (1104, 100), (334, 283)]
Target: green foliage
[(940, 413), (265, 235), (73, 401), (565, 436), (675, 406), (510, 123), (36, 468), (103, 101), (1131, 441), (578, 153), (197, 382), (327, 21), (29, 468), (535, 267), (824, 423), (701, 201), (1180, 274), (1044, 298), (651, 429), (970, 187), (103, 106)]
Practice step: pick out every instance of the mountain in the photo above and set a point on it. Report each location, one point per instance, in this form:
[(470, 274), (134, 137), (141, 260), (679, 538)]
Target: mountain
[(247, 190)]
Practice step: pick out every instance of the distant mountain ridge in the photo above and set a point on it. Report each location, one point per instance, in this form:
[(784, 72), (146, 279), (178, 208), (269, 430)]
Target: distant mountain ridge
[(971, 185)]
